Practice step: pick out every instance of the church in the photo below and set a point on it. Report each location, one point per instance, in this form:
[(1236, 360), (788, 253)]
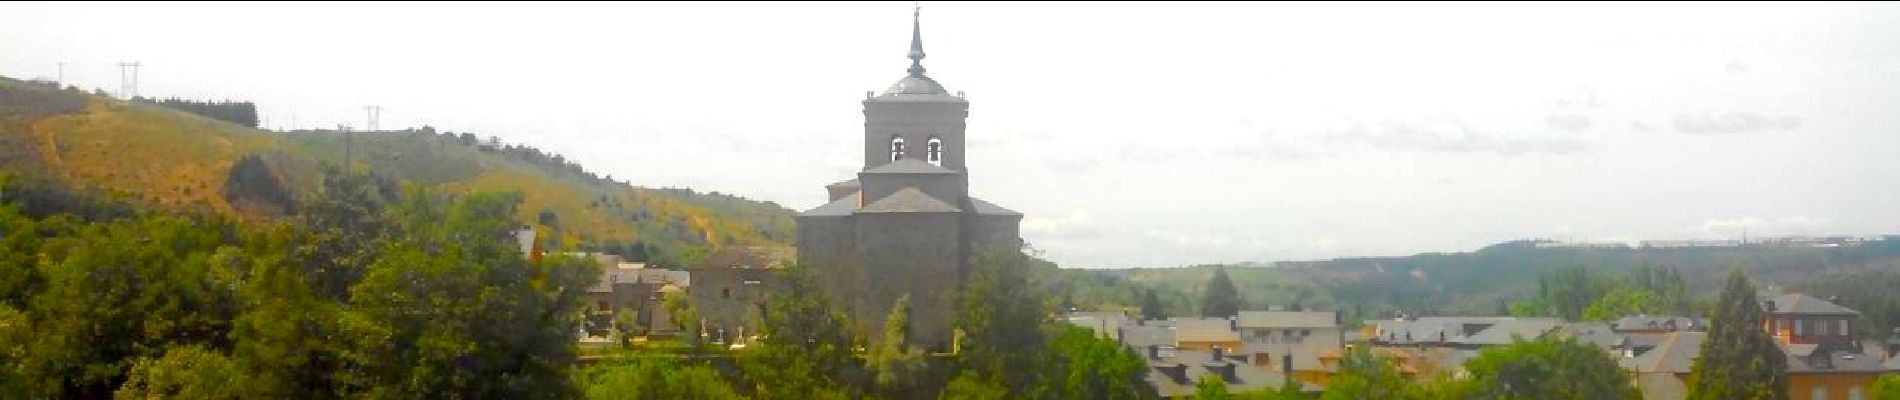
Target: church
[(907, 225)]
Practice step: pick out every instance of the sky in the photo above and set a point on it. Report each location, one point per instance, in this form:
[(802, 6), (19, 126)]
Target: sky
[(1130, 134)]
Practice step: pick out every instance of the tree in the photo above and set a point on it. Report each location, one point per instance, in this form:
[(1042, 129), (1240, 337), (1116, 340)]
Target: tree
[(1885, 388), (1738, 360), (680, 311), (1547, 368), (1001, 316), (894, 364), (970, 386), (654, 379), (1220, 299), (185, 372), (1210, 387), (806, 344), (1623, 302), (1151, 308), (1366, 376)]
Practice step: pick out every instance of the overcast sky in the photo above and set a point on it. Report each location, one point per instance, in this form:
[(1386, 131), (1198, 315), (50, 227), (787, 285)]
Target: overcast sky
[(1131, 134)]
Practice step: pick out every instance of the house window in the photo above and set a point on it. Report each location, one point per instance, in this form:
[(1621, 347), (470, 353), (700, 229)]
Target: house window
[(1821, 328), (1819, 393), (897, 148), (1854, 393), (1844, 330), (725, 293), (1797, 327), (603, 305), (933, 151)]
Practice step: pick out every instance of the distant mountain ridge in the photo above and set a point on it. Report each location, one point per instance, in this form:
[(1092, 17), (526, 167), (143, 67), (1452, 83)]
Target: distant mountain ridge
[(154, 156)]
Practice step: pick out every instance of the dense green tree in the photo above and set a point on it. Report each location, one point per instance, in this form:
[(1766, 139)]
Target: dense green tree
[(1151, 308), (1885, 388), (1220, 299), (185, 372), (1001, 316), (894, 363), (1738, 360), (652, 378), (1086, 366), (452, 309), (1210, 387), (1547, 368), (971, 386), (1367, 376), (806, 344), (1622, 302)]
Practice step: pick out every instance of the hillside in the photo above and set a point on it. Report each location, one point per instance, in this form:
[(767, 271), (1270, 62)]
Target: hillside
[(1474, 283), (155, 156)]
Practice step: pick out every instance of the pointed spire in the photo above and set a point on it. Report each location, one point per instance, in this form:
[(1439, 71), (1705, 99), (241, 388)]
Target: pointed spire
[(916, 42)]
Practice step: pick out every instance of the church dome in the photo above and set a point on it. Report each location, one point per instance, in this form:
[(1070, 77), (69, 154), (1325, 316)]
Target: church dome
[(916, 84)]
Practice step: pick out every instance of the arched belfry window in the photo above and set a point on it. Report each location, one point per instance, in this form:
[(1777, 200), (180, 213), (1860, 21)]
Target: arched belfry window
[(933, 151), (897, 148)]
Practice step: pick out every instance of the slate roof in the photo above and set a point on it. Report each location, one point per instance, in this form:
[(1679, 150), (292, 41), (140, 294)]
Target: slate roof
[(1502, 332), (1195, 363), (844, 206), (1204, 330), (908, 200), (1804, 304), (908, 166), (1287, 319), (988, 208), (1675, 353), (1661, 386), (1140, 337), (748, 257), (1837, 361), (612, 275), (1656, 322)]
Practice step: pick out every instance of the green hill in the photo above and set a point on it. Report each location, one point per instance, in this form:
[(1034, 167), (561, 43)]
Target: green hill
[(158, 157), (1474, 283)]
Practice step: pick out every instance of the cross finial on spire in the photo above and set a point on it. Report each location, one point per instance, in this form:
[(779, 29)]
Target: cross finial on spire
[(916, 41)]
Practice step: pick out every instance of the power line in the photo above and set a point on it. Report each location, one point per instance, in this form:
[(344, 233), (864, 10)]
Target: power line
[(375, 116), (129, 87)]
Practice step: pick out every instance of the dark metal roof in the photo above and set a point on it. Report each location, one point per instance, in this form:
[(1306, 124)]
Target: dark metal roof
[(1804, 304), (908, 200), (988, 208), (909, 166), (841, 208)]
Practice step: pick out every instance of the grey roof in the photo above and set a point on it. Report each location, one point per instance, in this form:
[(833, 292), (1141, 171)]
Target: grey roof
[(908, 200), (1836, 361), (1462, 330), (916, 85), (988, 208), (1503, 332), (840, 208), (908, 166), (1804, 304), (1195, 363), (614, 275), (1659, 322), (1140, 336), (1287, 319), (851, 183), (1675, 353), (1204, 330), (1104, 323), (1661, 386), (1596, 333)]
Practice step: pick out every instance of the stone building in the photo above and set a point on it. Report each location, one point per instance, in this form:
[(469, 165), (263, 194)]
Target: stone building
[(730, 289), (907, 225)]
